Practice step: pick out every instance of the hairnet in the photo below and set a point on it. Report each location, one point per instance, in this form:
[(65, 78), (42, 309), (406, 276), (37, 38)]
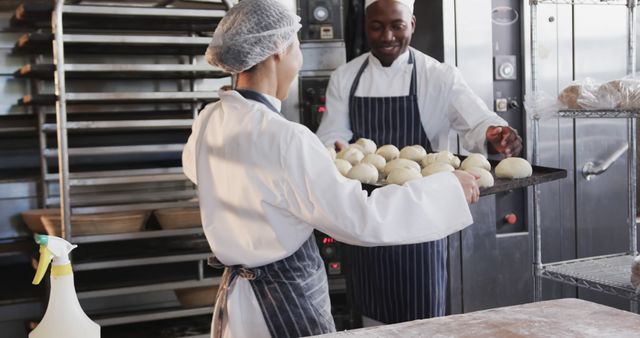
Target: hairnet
[(250, 32)]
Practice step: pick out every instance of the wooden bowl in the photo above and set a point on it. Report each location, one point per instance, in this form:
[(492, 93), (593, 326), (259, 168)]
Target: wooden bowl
[(197, 297), (178, 218), (98, 224), (33, 221)]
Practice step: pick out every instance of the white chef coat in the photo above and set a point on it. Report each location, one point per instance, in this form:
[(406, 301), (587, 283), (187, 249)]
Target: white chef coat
[(265, 183), (445, 100)]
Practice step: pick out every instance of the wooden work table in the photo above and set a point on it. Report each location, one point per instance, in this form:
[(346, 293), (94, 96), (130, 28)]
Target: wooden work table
[(555, 318)]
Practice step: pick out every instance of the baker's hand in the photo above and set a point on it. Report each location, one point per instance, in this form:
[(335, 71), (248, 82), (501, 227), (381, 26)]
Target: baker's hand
[(339, 146), (469, 183), (504, 140)]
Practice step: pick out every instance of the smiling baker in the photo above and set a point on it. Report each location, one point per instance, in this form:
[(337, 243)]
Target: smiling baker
[(398, 95)]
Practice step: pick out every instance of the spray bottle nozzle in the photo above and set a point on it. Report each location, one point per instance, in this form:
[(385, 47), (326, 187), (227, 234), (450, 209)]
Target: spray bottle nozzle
[(51, 247)]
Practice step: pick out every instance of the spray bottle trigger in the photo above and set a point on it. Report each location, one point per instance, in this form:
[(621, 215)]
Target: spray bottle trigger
[(43, 264)]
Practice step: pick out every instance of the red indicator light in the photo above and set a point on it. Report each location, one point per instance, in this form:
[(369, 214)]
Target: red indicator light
[(328, 240)]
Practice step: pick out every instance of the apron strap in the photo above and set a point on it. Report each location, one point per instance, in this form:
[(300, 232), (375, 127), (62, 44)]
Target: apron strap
[(354, 86), (228, 276), (258, 97), (413, 91)]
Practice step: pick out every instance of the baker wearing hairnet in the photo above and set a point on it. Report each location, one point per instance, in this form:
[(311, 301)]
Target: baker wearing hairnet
[(398, 95), (266, 183)]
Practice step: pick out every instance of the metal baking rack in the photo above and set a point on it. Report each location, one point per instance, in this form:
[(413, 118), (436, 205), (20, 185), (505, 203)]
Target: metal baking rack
[(609, 274), (151, 42)]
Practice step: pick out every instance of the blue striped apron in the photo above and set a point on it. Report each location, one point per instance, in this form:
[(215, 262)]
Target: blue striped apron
[(293, 293), (393, 284)]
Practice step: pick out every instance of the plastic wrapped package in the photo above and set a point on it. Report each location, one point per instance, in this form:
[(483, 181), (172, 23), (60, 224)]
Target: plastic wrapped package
[(598, 96), (629, 89), (589, 94)]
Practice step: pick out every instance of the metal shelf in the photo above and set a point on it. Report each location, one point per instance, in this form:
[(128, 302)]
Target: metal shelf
[(609, 274), (112, 202), (114, 98), (600, 113), (123, 125), (119, 17), (17, 130), (94, 209), (150, 316), (118, 150), (149, 288), (120, 263), (40, 43), (137, 235), (117, 173), (578, 2), (122, 71), (126, 180)]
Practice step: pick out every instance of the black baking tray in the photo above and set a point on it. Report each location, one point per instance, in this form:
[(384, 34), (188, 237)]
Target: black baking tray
[(539, 175)]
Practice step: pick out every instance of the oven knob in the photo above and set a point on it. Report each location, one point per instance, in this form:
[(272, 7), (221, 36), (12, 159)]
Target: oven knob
[(311, 93), (328, 251), (321, 13), (511, 218), (506, 70)]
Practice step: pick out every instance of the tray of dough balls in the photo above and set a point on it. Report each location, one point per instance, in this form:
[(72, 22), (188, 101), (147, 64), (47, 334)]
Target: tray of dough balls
[(376, 167)]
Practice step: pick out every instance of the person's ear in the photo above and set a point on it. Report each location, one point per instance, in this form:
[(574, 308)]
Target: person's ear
[(413, 24)]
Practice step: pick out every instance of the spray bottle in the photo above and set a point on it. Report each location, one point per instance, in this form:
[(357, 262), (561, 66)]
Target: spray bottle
[(64, 316)]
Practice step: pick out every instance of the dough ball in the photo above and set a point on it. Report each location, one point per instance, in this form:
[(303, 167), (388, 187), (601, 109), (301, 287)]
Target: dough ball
[(332, 152), (343, 166), (475, 160), (377, 161), (443, 156), (356, 146), (485, 180), (414, 153), (401, 163), (400, 176), (364, 172), (513, 167), (455, 162), (351, 155), (367, 145), (569, 96), (389, 152), (437, 167)]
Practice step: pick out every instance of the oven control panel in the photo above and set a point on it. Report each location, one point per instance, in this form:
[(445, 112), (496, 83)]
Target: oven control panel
[(313, 100), (321, 20)]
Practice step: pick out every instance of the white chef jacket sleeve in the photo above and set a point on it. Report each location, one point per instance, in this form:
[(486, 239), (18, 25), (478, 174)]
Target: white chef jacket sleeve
[(424, 210), (469, 115), (335, 125), (189, 152), (189, 160)]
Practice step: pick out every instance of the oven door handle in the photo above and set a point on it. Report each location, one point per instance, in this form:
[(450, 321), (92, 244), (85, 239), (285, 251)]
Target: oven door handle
[(591, 169)]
